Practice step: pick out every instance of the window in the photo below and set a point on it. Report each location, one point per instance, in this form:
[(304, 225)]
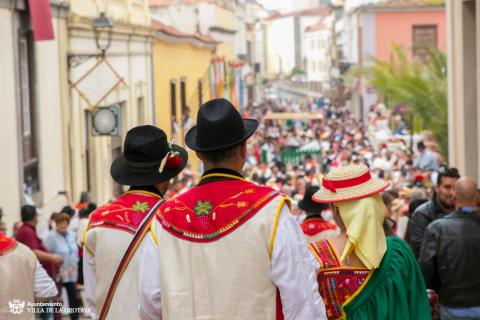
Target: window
[(27, 106), (173, 105), (424, 37), (183, 93), (200, 90), (141, 110)]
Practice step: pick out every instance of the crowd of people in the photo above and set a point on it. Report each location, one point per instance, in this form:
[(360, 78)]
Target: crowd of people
[(338, 139), (356, 190), (59, 248)]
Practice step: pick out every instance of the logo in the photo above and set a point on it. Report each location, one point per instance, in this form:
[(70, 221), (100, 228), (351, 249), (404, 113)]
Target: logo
[(16, 306)]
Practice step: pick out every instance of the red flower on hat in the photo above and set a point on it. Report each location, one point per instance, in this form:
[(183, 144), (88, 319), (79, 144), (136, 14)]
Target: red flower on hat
[(419, 177), (174, 161)]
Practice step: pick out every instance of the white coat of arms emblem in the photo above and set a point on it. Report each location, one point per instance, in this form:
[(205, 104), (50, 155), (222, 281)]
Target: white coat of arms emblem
[(16, 306)]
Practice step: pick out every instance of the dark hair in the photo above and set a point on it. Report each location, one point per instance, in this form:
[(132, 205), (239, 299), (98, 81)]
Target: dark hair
[(28, 213), (91, 207), (387, 199), (222, 154), (84, 196), (414, 205), (420, 145), (68, 210), (447, 173), (62, 217), (83, 213), (393, 193)]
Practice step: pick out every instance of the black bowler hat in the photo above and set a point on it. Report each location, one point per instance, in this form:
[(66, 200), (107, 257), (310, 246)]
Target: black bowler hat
[(219, 126), (144, 158), (310, 206)]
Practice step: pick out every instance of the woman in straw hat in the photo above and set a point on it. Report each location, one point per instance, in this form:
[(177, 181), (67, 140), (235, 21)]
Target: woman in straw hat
[(364, 275)]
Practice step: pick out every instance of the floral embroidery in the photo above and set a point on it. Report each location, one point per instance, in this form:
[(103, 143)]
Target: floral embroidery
[(140, 206), (203, 208)]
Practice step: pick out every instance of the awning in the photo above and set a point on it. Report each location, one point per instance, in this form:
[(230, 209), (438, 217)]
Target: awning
[(41, 16)]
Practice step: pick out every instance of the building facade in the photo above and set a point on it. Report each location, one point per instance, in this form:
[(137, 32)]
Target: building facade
[(463, 30), (369, 32), (284, 36), (130, 58), (318, 57), (217, 18), (32, 87), (46, 127), (181, 63)]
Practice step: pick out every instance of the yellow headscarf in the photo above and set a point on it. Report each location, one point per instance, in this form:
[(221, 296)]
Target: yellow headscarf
[(363, 220)]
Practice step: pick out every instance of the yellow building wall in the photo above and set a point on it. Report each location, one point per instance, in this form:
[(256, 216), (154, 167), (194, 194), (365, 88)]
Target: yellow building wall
[(126, 11), (174, 61), (225, 18), (226, 50)]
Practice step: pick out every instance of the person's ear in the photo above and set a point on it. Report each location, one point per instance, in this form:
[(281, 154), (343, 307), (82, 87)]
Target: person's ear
[(243, 149), (199, 155)]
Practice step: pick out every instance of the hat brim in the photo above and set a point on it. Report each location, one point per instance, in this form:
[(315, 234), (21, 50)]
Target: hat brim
[(314, 207), (363, 190), (251, 126), (123, 174)]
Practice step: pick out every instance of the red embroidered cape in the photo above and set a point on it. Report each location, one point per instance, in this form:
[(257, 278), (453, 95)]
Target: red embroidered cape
[(7, 244), (336, 283), (210, 211), (314, 226), (125, 213)]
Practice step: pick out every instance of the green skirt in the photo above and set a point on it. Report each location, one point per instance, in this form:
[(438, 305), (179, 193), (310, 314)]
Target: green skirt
[(395, 291)]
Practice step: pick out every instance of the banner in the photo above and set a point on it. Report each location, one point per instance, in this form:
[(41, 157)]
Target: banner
[(41, 16)]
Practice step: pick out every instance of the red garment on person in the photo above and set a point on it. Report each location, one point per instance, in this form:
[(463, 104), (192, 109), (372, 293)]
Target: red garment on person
[(125, 213), (203, 214), (313, 226), (27, 234), (81, 205), (6, 244), (336, 283)]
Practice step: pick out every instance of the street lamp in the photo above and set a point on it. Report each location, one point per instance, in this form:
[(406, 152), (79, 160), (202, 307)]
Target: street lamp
[(101, 25)]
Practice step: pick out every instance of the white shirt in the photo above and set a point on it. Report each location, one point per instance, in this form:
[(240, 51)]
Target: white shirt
[(89, 282), (82, 226), (293, 272), (44, 287)]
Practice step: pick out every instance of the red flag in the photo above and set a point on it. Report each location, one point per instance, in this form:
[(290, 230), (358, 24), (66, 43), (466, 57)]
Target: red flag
[(41, 16)]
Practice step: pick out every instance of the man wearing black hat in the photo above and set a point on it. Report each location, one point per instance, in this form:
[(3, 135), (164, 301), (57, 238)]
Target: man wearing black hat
[(228, 248), (314, 226), (147, 164)]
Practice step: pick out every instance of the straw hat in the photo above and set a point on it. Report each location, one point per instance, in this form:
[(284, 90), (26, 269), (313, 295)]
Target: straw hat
[(349, 183)]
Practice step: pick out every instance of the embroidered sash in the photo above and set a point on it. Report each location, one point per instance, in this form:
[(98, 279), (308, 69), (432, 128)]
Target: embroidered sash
[(337, 284), (127, 257)]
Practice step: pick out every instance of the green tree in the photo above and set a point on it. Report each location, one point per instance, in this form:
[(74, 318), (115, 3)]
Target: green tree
[(420, 85)]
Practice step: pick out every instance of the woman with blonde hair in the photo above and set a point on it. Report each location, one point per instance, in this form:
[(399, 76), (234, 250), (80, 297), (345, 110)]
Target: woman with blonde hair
[(363, 274)]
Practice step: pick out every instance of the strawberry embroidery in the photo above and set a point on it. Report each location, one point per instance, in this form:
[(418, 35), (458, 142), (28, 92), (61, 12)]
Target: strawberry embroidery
[(140, 206), (203, 208)]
